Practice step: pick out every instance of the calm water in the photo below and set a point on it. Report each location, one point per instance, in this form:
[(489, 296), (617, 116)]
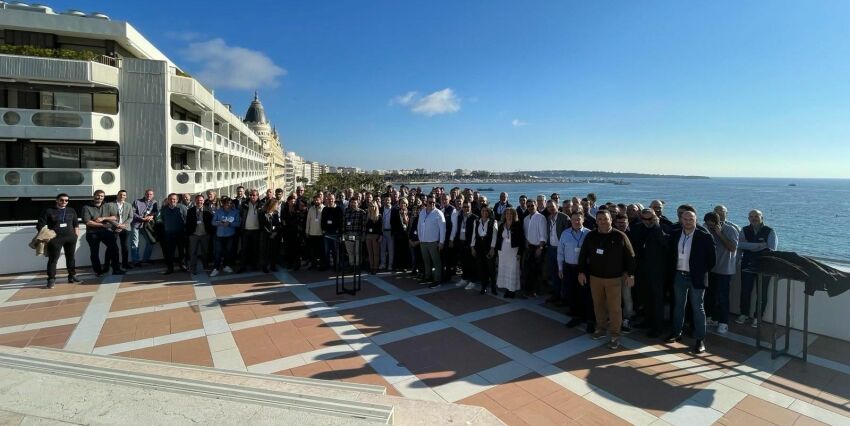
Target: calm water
[(809, 218)]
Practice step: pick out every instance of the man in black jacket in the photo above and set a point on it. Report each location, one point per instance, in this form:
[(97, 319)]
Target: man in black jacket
[(692, 253), (649, 242), (249, 227), (62, 220), (448, 253), (500, 206), (199, 229), (460, 241), (331, 228)]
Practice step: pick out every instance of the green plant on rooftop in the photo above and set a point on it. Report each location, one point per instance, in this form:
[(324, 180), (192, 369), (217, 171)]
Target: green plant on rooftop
[(41, 52)]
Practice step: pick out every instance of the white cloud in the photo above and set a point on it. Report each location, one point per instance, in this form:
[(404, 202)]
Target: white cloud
[(183, 35), (232, 67), (403, 100), (518, 123), (440, 102)]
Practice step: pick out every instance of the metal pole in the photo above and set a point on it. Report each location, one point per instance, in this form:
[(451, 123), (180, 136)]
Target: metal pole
[(758, 303), (775, 316), (787, 315)]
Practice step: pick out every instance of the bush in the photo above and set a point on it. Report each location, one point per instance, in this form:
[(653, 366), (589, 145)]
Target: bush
[(41, 52), (336, 182)]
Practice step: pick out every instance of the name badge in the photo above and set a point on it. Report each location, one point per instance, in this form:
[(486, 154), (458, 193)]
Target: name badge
[(578, 250), (600, 251), (330, 222), (199, 221), (147, 213), (63, 225), (415, 232), (273, 227), (370, 229), (316, 220), (349, 223)]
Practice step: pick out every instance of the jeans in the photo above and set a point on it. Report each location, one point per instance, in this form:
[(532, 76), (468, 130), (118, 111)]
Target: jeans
[(134, 245), (628, 303), (387, 249), (223, 248), (331, 245), (684, 292), (748, 283), (68, 242), (431, 259), (718, 286)]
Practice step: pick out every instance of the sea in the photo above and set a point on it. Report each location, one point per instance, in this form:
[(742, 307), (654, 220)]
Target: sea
[(810, 216)]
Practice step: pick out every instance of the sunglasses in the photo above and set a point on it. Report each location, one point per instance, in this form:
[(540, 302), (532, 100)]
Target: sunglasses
[(646, 218), (63, 200)]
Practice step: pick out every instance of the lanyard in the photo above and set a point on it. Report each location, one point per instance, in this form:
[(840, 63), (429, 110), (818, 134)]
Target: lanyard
[(426, 216), (120, 208), (685, 238), (64, 212), (578, 240)]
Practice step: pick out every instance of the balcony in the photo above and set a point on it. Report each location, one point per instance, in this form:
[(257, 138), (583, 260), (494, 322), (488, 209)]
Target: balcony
[(191, 88), (59, 125), (27, 68), (46, 183), (188, 133)]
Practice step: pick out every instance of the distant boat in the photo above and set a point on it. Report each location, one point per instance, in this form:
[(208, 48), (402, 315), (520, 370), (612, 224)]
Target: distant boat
[(792, 184), (484, 189), (621, 182)]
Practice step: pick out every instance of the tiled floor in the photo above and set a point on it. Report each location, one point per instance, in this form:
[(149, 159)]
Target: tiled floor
[(513, 357)]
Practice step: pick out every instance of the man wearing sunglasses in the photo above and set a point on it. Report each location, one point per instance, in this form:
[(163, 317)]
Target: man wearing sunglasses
[(62, 220), (649, 241)]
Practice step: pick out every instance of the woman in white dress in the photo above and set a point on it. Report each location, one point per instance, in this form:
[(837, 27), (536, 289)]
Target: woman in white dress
[(509, 243)]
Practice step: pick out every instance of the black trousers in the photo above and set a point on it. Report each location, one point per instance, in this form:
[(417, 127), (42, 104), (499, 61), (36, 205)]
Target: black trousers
[(655, 303), (170, 242), (67, 242), (449, 261), (269, 249), (94, 238), (466, 261), (579, 297), (250, 247), (486, 268), (316, 249), (124, 247), (532, 270)]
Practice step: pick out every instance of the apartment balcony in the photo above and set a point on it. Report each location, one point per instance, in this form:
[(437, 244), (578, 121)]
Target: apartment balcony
[(46, 183), (195, 181), (190, 88), (35, 69), (58, 125), (188, 133)]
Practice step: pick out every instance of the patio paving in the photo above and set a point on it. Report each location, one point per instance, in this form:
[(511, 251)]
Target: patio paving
[(513, 357)]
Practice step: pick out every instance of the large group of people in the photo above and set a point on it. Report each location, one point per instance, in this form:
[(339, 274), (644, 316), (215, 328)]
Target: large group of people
[(613, 267)]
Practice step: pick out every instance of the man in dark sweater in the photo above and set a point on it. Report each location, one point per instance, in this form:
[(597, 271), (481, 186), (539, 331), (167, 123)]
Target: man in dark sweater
[(62, 220), (331, 227), (606, 259), (173, 217)]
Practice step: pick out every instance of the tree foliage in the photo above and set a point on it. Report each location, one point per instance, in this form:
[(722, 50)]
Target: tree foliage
[(81, 55), (336, 182)]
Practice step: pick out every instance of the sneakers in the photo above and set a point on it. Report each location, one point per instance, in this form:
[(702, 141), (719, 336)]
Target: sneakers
[(470, 286), (435, 284), (73, 279), (710, 322), (227, 269), (598, 334), (755, 323), (614, 344), (461, 283), (741, 319), (51, 283), (214, 272), (673, 338), (722, 328), (699, 347), (626, 328)]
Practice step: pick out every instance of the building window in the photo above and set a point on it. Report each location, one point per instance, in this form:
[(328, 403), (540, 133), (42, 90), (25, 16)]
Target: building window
[(59, 157), (100, 157), (30, 38), (75, 157)]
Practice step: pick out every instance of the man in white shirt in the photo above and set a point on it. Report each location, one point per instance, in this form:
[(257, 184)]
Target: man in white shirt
[(431, 230), (536, 236), (250, 231)]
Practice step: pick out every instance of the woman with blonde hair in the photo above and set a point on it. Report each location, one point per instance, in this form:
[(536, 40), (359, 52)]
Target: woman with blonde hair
[(374, 234)]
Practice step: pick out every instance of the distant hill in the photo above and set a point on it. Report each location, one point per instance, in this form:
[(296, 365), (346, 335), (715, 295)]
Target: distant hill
[(599, 174)]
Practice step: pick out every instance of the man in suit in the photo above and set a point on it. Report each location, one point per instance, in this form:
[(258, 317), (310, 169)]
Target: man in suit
[(693, 254), (448, 254), (199, 229), (556, 223), (521, 210), (122, 227), (460, 241), (500, 206)]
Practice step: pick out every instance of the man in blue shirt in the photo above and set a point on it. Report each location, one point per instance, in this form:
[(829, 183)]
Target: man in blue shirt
[(579, 298), (226, 220)]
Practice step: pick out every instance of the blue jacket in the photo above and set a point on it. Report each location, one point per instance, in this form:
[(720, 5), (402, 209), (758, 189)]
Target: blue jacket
[(231, 216)]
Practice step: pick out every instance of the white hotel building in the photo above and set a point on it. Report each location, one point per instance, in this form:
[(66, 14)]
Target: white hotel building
[(129, 118)]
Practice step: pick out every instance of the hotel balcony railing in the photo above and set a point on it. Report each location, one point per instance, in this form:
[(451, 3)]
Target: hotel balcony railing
[(46, 183), (189, 133), (62, 125), (194, 181), (99, 72)]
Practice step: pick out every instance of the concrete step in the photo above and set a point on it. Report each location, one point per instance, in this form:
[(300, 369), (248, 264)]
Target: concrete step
[(82, 388)]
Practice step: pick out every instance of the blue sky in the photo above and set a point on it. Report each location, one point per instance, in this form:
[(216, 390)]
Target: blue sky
[(720, 88)]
